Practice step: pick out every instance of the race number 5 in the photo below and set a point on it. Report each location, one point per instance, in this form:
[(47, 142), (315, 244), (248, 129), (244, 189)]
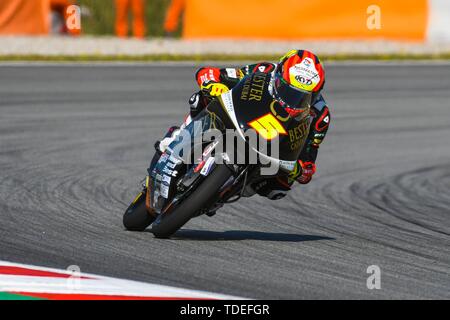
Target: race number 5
[(267, 126)]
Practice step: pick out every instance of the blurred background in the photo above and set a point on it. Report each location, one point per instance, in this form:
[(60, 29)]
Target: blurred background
[(20, 17), (230, 18), (353, 26)]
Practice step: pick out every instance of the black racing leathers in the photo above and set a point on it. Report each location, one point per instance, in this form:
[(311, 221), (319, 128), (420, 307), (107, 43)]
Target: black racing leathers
[(273, 188), (320, 117)]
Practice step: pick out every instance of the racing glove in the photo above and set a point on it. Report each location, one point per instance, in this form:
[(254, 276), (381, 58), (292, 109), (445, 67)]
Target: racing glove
[(303, 172), (213, 89), (201, 99)]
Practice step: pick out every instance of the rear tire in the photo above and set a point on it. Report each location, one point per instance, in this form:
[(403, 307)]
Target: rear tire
[(204, 196), (136, 217)]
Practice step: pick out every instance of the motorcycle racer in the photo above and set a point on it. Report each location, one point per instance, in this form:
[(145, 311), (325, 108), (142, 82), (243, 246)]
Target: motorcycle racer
[(297, 81)]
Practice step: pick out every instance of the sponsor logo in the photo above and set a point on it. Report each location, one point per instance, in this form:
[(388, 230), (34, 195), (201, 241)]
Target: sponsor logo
[(298, 134), (207, 167), (253, 88), (303, 80), (167, 179), (287, 165), (304, 76), (164, 191), (171, 165), (231, 72), (307, 62), (263, 68)]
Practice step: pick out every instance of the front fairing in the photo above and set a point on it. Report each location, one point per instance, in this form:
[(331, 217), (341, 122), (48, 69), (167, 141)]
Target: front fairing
[(179, 160)]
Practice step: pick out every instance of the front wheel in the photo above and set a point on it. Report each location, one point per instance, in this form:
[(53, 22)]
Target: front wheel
[(136, 217), (203, 197)]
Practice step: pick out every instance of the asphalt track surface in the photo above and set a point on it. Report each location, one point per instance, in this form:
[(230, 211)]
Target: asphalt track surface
[(75, 143)]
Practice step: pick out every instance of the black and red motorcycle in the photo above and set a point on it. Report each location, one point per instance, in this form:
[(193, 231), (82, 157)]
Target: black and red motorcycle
[(178, 190)]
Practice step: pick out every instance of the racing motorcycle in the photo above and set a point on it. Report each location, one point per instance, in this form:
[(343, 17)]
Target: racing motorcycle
[(178, 190)]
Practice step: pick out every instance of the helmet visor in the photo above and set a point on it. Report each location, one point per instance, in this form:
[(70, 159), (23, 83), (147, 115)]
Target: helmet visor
[(293, 97)]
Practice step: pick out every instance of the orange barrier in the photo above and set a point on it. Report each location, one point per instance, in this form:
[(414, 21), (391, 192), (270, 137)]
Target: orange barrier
[(173, 15), (138, 9), (304, 19), (19, 17)]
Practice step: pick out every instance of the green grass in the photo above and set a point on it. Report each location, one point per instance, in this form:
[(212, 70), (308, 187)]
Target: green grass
[(217, 57), (11, 296), (101, 20)]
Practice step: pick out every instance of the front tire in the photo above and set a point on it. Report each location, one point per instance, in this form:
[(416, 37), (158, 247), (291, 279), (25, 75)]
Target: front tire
[(136, 217), (204, 196)]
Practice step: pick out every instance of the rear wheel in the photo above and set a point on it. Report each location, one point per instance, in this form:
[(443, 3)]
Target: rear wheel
[(136, 217), (203, 197)]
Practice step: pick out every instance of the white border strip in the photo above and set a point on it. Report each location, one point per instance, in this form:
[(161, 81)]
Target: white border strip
[(96, 285)]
